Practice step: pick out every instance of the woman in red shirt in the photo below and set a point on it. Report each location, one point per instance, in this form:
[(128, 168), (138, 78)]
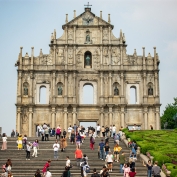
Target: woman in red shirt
[(132, 173), (47, 165)]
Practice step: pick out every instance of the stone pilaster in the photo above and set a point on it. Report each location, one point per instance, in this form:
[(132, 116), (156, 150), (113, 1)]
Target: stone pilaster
[(32, 55), (74, 113), (74, 34), (74, 88), (101, 87), (110, 114), (53, 86), (66, 35), (122, 112), (31, 86), (122, 87), (66, 56), (30, 114), (65, 117), (19, 119), (110, 87), (66, 87), (121, 57), (109, 52), (53, 122), (157, 117), (109, 35), (101, 34), (101, 55), (144, 88), (74, 57), (54, 58), (19, 87), (145, 116), (101, 116)]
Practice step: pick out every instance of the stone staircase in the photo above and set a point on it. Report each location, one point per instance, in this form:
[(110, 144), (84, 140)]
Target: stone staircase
[(26, 168)]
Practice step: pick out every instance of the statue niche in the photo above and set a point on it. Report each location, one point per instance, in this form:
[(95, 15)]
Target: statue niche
[(87, 60), (25, 89), (88, 37), (150, 90), (59, 89), (116, 90)]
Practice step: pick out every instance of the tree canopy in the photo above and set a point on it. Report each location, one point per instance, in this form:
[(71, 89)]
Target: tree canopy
[(169, 116)]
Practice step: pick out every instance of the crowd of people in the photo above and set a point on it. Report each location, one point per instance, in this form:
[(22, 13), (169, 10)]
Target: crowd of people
[(76, 135)]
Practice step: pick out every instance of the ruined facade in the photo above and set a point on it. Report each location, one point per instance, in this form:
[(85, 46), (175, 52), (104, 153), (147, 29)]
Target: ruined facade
[(87, 54)]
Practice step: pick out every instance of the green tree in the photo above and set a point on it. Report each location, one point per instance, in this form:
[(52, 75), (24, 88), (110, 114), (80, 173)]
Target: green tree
[(168, 114)]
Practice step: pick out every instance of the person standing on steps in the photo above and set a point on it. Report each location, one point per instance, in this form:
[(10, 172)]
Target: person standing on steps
[(35, 148), (19, 141), (73, 137), (109, 160), (156, 170), (69, 132), (46, 166), (98, 130), (56, 147), (149, 168), (78, 140), (28, 149), (58, 132), (101, 150), (126, 169), (78, 156), (103, 131), (24, 141), (48, 173), (4, 142), (117, 150), (63, 143), (38, 173), (106, 149), (92, 142), (122, 161), (132, 173), (64, 133)]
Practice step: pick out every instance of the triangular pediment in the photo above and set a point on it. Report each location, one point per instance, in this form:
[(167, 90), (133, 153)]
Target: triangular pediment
[(87, 19)]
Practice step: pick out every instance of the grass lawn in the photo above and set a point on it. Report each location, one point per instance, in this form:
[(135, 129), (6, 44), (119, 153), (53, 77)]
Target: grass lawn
[(161, 144)]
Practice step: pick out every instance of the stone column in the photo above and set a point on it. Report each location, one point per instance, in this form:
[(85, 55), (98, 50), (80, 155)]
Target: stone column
[(101, 87), (74, 87), (66, 35), (53, 86), (144, 88), (74, 114), (31, 86), (30, 121), (157, 117), (54, 58), (109, 35), (74, 57), (19, 119), (66, 56), (19, 87), (53, 122), (145, 118), (65, 118), (109, 52), (122, 117), (110, 84), (74, 34), (122, 87), (66, 87), (121, 57), (101, 34), (101, 56), (101, 117), (110, 114), (156, 88)]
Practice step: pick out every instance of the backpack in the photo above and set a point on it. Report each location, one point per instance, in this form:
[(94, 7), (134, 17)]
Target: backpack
[(87, 169)]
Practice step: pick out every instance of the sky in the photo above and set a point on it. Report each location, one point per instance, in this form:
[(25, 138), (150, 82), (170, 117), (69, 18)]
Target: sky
[(29, 23)]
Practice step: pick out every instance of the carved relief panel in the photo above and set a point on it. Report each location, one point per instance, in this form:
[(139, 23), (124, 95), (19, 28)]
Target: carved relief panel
[(105, 36), (70, 36), (115, 56), (60, 56), (80, 37), (96, 59), (70, 56), (105, 56)]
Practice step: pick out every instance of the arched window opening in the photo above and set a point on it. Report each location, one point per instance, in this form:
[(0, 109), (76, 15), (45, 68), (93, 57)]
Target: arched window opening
[(43, 95), (87, 60), (133, 95), (88, 97)]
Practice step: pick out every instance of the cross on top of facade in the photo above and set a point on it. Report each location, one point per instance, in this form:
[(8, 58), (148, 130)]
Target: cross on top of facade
[(88, 5)]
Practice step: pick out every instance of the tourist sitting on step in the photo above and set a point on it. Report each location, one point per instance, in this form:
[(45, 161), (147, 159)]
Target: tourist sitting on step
[(8, 165), (95, 174), (126, 169), (38, 173)]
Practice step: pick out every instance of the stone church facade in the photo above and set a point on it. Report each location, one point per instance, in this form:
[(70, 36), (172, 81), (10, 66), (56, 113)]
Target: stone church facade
[(87, 54)]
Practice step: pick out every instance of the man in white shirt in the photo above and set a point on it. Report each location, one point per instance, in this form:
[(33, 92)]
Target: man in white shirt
[(69, 131), (98, 130), (56, 147), (68, 161), (113, 131), (48, 174)]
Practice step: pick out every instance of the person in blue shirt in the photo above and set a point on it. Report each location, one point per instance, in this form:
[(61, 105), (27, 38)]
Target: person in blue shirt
[(101, 150)]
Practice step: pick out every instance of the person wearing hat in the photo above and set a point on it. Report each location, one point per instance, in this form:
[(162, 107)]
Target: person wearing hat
[(28, 149), (109, 160)]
